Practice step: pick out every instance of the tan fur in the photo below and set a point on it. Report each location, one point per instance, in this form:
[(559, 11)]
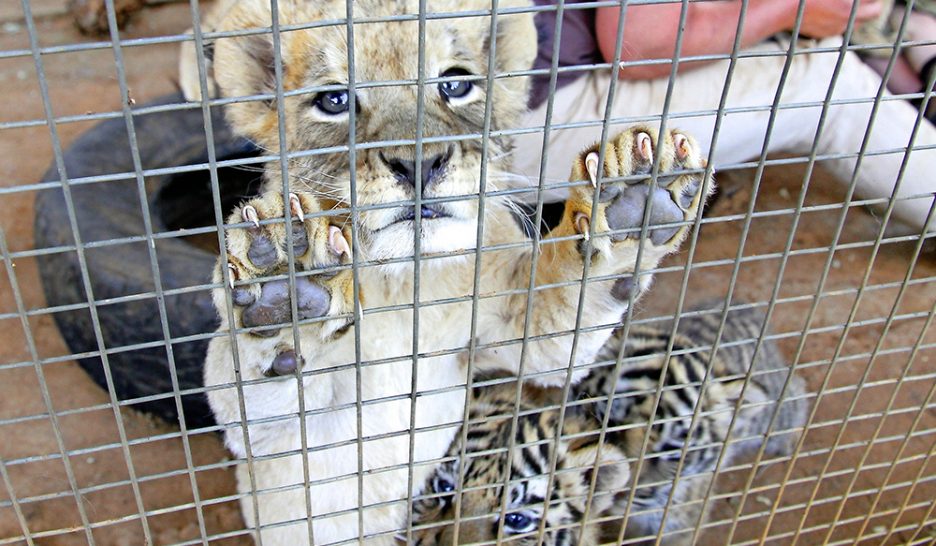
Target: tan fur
[(388, 52)]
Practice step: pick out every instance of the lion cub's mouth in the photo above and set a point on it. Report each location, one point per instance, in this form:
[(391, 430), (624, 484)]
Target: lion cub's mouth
[(425, 211), (408, 214)]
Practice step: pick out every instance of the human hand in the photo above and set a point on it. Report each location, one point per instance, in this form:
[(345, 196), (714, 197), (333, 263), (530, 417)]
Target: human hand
[(824, 18)]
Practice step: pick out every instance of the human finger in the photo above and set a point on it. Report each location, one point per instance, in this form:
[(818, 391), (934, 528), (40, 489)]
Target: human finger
[(869, 9)]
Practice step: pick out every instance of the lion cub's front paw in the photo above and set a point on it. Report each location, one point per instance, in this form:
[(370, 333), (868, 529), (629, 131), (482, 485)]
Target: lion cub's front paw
[(260, 251), (675, 198)]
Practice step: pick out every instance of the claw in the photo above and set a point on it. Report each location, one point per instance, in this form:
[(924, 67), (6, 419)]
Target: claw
[(250, 215), (591, 165), (645, 146), (232, 275), (582, 224), (682, 145), (337, 242), (295, 207)]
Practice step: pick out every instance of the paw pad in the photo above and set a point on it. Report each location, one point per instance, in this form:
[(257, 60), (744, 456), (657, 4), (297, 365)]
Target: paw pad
[(627, 212), (262, 252), (285, 363), (623, 288), (273, 305)]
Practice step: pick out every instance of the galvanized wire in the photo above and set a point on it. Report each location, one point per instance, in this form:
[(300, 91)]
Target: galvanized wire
[(278, 69), (356, 257), (476, 279), (789, 244), (854, 309), (226, 276), (860, 289)]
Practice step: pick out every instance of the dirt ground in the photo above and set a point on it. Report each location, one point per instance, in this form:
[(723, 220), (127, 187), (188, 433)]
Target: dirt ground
[(893, 480)]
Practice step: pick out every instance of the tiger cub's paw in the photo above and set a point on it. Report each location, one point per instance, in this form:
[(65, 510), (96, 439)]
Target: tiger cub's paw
[(259, 251), (676, 197)]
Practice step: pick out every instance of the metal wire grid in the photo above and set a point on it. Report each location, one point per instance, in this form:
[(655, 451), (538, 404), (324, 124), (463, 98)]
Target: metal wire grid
[(863, 287)]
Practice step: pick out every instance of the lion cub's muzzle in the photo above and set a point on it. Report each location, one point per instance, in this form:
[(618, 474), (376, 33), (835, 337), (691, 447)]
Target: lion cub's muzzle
[(432, 171)]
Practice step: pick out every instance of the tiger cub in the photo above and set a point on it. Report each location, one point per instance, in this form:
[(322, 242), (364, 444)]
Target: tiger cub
[(481, 473), (634, 396), (486, 464)]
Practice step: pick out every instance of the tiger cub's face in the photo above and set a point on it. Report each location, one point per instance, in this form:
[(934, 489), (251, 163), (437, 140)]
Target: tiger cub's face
[(388, 108), (473, 487)]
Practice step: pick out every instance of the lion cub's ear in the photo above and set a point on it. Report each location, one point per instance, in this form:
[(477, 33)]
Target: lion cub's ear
[(516, 47), (188, 56), (516, 36), (189, 80), (244, 65)]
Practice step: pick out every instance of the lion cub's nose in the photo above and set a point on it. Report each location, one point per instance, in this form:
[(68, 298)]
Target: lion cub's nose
[(405, 169)]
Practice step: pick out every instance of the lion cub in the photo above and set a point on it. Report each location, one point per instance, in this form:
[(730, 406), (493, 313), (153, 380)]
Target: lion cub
[(324, 413)]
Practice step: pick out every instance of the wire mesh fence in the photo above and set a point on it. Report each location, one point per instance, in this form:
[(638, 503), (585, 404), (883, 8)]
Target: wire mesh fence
[(816, 229)]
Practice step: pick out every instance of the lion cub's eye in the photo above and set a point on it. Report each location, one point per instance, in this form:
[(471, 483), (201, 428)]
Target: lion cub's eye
[(332, 103), (455, 89)]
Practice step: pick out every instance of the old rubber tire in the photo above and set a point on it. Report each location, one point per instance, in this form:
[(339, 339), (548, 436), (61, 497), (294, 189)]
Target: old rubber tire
[(112, 210)]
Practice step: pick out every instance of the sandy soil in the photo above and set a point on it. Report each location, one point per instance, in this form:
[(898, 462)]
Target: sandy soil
[(97, 465)]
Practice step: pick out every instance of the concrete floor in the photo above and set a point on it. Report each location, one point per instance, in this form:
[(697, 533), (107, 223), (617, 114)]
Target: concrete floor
[(86, 82)]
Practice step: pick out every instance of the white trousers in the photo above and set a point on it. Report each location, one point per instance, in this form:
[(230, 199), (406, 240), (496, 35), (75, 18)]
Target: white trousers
[(743, 131)]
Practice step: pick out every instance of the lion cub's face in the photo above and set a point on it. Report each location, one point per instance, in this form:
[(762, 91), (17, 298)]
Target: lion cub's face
[(386, 115)]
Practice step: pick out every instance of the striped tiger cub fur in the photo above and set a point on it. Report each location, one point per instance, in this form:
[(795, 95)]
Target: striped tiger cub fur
[(485, 461), (635, 392)]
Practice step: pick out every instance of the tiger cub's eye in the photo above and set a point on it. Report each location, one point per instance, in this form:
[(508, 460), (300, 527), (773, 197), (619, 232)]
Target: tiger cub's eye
[(443, 486), (518, 522)]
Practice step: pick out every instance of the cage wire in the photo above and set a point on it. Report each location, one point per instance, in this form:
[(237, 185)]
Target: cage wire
[(849, 303)]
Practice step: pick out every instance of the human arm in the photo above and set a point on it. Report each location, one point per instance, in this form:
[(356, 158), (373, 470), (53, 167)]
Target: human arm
[(650, 31)]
